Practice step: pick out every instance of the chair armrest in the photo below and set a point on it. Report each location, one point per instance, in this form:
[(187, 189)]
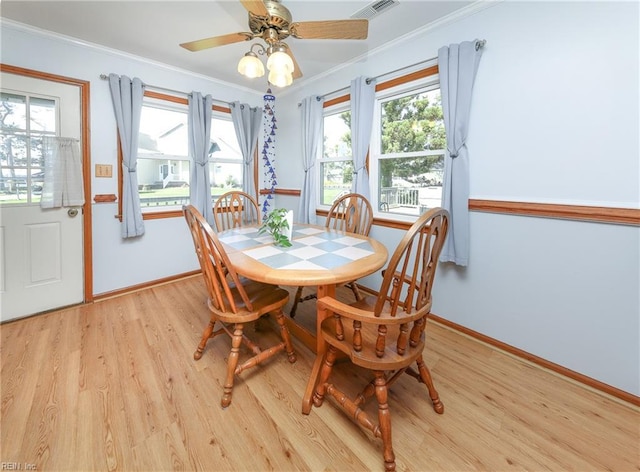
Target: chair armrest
[(367, 316)]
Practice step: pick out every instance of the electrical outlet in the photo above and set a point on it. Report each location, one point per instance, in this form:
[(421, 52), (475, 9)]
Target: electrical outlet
[(104, 170)]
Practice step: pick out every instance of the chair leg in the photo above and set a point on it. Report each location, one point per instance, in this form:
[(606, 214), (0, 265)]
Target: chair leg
[(203, 342), (425, 375), (356, 291), (234, 355), (384, 420), (284, 333), (296, 300), (325, 371)]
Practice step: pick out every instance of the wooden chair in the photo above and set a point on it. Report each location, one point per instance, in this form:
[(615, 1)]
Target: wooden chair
[(352, 213), (233, 302), (234, 209), (386, 334)]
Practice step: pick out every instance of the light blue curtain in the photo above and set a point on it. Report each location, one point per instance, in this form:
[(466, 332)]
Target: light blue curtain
[(457, 65), (126, 96), (312, 138), (247, 121), (363, 97), (199, 122)]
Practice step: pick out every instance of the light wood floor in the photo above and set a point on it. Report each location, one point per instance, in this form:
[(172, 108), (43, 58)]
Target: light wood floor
[(113, 386)]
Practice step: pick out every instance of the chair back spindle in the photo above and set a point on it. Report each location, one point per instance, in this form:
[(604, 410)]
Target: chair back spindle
[(351, 213), (411, 269), (235, 209)]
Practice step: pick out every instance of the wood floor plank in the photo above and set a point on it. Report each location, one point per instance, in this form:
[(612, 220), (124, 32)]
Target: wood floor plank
[(113, 386)]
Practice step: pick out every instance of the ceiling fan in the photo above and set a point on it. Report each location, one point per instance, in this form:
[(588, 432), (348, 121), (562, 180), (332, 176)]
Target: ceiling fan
[(272, 22)]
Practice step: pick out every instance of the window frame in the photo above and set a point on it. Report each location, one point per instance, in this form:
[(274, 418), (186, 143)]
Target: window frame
[(336, 110), (375, 153), (174, 102), (424, 78)]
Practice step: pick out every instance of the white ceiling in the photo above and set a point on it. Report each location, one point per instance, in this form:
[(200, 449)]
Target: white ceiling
[(154, 29)]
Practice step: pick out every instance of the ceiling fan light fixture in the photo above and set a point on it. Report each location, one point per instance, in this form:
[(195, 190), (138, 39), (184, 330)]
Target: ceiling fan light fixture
[(280, 79), (280, 62), (250, 66)]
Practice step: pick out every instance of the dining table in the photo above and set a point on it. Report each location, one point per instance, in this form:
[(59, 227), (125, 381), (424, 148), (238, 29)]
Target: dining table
[(318, 256)]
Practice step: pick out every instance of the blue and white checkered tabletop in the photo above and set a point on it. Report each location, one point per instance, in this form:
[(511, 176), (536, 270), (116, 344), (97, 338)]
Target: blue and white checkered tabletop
[(314, 248)]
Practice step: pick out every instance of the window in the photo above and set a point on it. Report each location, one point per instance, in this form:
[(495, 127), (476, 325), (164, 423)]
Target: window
[(163, 155), (406, 152), (226, 165), (24, 121), (336, 164)]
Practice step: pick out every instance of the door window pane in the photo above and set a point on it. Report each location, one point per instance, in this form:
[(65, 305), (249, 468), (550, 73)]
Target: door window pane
[(14, 112), (42, 115), (24, 120)]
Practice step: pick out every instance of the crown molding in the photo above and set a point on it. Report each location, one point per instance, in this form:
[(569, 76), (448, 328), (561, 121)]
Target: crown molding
[(21, 27), (452, 17)]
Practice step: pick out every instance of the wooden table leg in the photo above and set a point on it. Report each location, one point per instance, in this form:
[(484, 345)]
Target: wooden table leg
[(321, 315)]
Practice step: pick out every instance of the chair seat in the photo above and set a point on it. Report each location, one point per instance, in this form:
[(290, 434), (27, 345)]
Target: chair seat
[(368, 358), (264, 298)]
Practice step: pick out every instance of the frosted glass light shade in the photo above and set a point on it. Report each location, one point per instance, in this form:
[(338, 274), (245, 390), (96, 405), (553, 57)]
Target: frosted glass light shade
[(280, 80), (280, 62), (250, 66)]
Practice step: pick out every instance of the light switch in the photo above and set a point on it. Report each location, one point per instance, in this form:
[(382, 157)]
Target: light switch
[(104, 170)]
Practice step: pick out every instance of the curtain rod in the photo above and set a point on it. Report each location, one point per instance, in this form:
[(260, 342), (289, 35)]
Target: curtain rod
[(163, 89), (479, 44)]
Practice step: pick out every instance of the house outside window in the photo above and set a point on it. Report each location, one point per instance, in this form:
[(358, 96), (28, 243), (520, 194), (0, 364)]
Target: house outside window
[(336, 164), (163, 156), (406, 151)]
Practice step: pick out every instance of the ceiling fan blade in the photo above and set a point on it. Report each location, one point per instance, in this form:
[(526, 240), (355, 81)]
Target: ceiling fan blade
[(215, 41), (333, 29), (256, 7), (297, 73)]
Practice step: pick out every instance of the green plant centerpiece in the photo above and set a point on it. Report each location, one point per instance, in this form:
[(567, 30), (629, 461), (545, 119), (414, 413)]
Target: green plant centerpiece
[(276, 224)]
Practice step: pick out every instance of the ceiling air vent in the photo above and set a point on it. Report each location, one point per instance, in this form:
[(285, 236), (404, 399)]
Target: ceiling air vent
[(374, 9)]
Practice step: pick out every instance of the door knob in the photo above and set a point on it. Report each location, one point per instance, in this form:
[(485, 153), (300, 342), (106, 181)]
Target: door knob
[(72, 212)]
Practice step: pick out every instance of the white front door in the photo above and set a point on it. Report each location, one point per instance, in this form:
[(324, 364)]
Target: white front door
[(41, 251)]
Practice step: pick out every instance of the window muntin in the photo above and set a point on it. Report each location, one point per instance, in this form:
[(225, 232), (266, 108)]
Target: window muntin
[(163, 156), (336, 164), (24, 121)]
